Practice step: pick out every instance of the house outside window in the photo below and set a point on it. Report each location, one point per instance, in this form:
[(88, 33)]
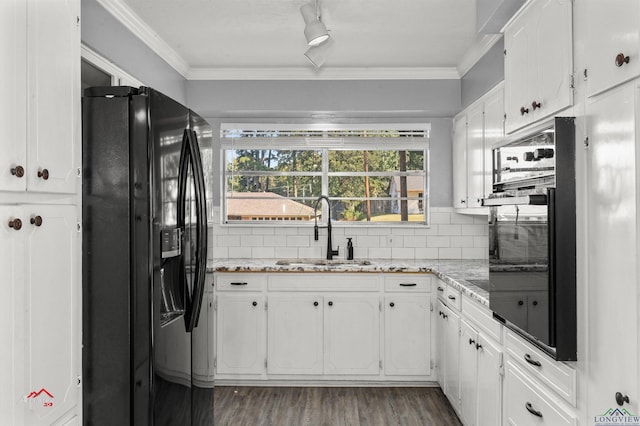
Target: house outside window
[(373, 174)]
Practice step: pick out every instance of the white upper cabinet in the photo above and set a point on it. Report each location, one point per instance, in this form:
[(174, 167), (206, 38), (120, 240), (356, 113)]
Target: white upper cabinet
[(459, 155), (476, 130), (613, 49), (538, 63), (475, 155), (40, 110)]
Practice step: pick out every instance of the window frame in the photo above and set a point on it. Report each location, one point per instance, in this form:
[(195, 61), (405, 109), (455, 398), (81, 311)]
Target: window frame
[(325, 145)]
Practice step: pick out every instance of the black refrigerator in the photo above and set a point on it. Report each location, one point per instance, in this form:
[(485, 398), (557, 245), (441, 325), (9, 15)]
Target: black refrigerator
[(144, 258)]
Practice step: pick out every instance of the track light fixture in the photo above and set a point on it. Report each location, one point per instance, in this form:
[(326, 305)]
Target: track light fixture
[(318, 54), (314, 29)]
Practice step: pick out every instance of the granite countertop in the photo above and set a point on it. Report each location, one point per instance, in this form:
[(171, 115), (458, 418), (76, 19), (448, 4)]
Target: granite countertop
[(460, 274)]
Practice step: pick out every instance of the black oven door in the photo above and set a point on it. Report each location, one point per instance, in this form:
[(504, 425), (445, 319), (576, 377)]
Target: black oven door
[(520, 229)]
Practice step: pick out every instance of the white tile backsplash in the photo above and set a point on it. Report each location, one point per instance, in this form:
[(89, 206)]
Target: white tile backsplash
[(450, 236)]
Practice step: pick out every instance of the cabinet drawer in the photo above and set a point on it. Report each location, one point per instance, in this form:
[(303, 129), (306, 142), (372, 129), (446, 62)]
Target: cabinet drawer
[(324, 282), (558, 376), (483, 318), (408, 283), (453, 297), (526, 403), (240, 282)]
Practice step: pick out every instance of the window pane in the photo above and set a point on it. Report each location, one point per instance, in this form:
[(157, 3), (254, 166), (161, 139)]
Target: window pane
[(379, 210), (375, 161), (267, 206), (274, 160)]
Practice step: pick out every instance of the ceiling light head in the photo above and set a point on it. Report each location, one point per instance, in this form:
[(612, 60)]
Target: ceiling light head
[(318, 54), (314, 30), (316, 33)]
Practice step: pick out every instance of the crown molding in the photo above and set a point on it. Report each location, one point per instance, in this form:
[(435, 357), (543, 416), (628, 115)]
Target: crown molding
[(476, 52), (328, 73), (140, 29)]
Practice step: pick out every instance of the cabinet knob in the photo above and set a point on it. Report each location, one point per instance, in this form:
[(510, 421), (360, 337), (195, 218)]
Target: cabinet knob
[(621, 399), (520, 302), (36, 220), (471, 341), (392, 304), (621, 59), (315, 303), (463, 201), (16, 224), (451, 297), (524, 110), (255, 303), (330, 303), (43, 174), (535, 105), (535, 303), (440, 288), (478, 347), (17, 171), (445, 316)]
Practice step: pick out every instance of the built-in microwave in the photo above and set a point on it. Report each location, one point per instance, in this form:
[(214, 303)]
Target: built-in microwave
[(532, 238)]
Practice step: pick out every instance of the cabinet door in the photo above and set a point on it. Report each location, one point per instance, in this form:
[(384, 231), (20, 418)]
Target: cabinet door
[(295, 343), (612, 212), (489, 386), (468, 373), (12, 339), (201, 344), (240, 334), (475, 155), (452, 356), (606, 41), (352, 334), (460, 162), (13, 86), (493, 133), (552, 59), (53, 90), (53, 315), (517, 72), (440, 349), (407, 335)]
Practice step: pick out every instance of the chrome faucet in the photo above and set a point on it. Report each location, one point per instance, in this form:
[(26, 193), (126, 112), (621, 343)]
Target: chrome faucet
[(330, 251)]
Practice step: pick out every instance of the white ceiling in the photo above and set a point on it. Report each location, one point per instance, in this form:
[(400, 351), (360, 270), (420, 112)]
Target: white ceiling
[(236, 38)]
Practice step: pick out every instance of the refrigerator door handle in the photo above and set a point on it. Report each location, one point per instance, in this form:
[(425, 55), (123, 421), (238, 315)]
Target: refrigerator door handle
[(201, 231), (185, 154)]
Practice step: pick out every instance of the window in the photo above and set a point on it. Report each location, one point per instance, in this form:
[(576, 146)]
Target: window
[(373, 174)]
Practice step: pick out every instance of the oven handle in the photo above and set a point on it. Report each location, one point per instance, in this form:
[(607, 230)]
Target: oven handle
[(528, 200)]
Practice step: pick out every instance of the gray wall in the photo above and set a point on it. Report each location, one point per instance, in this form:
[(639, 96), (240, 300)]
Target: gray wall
[(108, 37), (484, 75), (422, 101)]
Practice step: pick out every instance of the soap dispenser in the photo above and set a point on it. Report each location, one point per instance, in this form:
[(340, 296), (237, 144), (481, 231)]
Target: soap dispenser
[(349, 249)]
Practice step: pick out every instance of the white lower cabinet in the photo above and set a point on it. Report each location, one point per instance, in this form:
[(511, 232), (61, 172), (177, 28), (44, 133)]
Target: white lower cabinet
[(526, 403), (323, 326), (489, 382), (407, 330), (352, 334), (240, 332), (295, 336), (468, 373), (40, 331), (450, 355)]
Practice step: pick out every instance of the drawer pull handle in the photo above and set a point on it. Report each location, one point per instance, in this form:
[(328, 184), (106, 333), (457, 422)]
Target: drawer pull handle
[(532, 361), (452, 297), (408, 284), (530, 409), (621, 399), (239, 283), (440, 288)]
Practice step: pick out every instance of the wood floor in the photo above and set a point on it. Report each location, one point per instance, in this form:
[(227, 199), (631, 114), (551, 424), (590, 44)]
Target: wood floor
[(287, 406)]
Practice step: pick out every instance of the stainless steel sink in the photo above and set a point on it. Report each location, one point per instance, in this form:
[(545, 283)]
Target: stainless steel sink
[(322, 262)]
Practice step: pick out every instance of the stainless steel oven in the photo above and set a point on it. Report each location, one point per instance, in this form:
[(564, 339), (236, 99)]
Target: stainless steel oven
[(532, 238)]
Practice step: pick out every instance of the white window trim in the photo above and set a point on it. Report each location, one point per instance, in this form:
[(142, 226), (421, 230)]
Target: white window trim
[(328, 143), (119, 77)]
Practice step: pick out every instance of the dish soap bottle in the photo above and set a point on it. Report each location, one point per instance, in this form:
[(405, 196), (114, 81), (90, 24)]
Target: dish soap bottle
[(349, 249)]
